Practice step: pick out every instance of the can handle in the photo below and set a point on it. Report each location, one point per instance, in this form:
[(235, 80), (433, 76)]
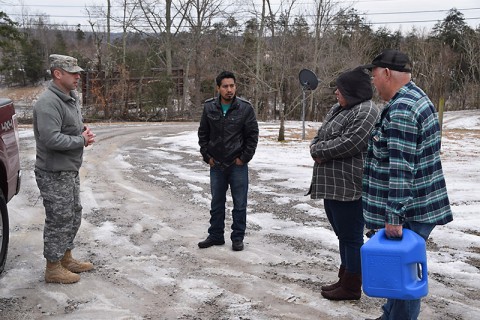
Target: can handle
[(423, 277), (424, 272)]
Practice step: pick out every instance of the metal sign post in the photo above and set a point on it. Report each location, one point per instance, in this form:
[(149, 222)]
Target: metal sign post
[(304, 103)]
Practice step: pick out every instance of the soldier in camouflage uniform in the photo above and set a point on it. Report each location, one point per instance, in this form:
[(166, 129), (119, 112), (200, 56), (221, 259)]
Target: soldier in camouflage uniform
[(60, 137)]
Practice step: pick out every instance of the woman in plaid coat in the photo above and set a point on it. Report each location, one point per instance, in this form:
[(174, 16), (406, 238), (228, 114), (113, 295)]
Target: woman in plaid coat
[(338, 150)]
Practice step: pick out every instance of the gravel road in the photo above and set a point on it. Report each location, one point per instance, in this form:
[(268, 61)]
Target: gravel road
[(141, 232)]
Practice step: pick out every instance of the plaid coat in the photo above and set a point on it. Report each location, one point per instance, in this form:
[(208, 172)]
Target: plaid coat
[(340, 143), (403, 177)]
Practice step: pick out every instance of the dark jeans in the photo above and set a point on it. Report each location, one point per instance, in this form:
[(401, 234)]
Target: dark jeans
[(220, 179), (396, 309), (346, 218)]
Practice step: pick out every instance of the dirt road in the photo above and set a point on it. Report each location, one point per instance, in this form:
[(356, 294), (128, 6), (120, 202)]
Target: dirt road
[(141, 225)]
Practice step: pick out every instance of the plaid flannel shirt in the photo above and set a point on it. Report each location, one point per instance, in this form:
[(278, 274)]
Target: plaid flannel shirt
[(403, 178), (340, 144)]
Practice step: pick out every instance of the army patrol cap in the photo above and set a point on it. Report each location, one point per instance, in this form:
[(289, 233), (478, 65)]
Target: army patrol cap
[(66, 63)]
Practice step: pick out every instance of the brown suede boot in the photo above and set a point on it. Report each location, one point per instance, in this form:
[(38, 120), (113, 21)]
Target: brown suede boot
[(350, 288), (69, 263), (56, 273), (335, 285)]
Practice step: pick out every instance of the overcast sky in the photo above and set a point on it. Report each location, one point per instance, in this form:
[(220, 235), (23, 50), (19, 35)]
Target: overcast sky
[(393, 14)]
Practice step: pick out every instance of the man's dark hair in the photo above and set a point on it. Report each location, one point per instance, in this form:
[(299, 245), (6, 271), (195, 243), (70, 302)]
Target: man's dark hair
[(224, 75)]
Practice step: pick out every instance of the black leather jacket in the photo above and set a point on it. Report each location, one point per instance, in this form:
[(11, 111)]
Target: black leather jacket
[(228, 137)]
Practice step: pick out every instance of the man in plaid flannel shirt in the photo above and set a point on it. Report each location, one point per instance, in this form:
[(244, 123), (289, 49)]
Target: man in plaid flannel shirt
[(403, 182)]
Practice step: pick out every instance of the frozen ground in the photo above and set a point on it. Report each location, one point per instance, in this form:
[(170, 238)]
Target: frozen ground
[(145, 193)]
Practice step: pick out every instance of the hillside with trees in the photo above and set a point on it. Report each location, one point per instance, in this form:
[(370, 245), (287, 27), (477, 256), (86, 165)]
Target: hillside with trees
[(157, 61)]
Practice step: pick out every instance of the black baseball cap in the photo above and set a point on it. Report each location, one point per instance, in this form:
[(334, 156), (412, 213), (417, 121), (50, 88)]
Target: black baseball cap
[(391, 59)]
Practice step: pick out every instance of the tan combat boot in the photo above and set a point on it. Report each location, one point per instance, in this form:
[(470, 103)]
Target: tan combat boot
[(69, 263), (56, 273)]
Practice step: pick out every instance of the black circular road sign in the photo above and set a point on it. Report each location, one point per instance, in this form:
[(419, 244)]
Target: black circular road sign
[(308, 79)]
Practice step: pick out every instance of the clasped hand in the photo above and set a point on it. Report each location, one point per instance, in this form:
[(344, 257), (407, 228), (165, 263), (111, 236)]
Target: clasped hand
[(88, 136)]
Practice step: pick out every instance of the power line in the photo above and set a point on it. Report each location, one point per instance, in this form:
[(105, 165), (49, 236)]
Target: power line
[(346, 1), (120, 6), (51, 16), (363, 14), (416, 21), (148, 26), (46, 6), (414, 12), (360, 14)]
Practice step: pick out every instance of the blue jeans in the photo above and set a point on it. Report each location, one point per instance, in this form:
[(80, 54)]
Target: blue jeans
[(396, 309), (220, 179), (346, 218)]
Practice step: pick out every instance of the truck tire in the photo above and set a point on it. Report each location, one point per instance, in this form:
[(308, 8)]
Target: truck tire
[(4, 232)]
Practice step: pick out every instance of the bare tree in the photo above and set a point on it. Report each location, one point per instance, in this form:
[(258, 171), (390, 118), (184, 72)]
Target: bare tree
[(322, 22), (128, 22), (281, 51), (471, 46), (164, 22), (200, 18), (260, 52)]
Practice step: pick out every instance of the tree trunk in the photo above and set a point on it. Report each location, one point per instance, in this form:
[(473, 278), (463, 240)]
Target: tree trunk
[(258, 62)]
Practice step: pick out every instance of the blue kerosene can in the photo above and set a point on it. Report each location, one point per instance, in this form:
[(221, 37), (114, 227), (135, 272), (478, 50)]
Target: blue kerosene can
[(395, 268)]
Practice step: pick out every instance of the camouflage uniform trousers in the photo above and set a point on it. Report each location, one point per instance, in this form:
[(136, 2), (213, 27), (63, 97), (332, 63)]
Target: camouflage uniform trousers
[(61, 198)]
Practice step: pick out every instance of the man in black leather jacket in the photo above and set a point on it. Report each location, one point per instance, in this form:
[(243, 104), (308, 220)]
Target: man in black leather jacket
[(228, 138)]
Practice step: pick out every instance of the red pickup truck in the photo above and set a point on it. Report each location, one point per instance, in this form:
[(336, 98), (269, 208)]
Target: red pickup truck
[(10, 173)]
